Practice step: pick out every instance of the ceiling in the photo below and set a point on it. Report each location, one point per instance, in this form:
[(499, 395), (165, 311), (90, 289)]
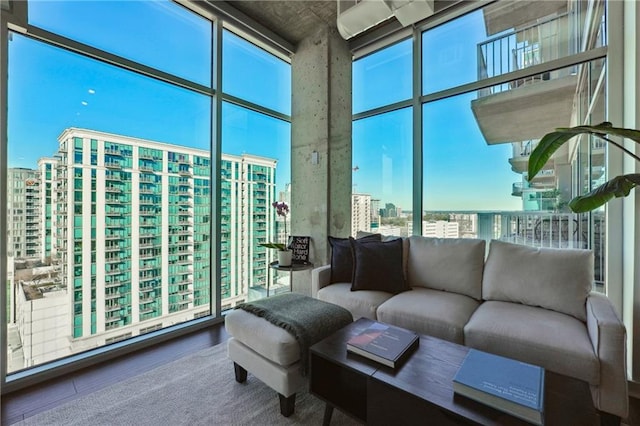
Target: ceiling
[(295, 20), (292, 20)]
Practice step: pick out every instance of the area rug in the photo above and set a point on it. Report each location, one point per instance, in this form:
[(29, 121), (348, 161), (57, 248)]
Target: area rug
[(198, 389)]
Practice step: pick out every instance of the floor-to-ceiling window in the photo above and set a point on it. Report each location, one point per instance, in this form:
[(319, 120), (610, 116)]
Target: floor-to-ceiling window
[(256, 141), (381, 199), (111, 167), (490, 83)]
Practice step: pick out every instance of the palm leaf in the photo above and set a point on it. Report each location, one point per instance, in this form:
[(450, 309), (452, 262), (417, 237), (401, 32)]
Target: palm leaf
[(551, 142), (620, 186)]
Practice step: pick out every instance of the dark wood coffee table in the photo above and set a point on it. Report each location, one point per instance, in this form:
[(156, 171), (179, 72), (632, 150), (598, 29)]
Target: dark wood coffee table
[(420, 390)]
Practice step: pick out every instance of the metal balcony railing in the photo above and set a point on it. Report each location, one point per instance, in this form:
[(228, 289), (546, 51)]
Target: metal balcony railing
[(522, 48), (548, 229)]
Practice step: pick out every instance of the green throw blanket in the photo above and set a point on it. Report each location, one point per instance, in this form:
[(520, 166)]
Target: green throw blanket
[(308, 320)]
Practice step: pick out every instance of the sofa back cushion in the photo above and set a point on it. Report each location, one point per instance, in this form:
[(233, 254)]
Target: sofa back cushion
[(552, 278), (449, 264)]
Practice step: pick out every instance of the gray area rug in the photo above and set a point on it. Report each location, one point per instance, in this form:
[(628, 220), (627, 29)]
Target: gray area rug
[(199, 389)]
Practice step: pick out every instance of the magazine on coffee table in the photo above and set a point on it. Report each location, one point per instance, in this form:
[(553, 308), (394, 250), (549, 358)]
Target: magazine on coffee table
[(508, 385), (384, 343)]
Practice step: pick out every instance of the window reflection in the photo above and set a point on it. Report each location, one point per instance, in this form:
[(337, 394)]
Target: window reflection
[(246, 71), (382, 174), (383, 77)]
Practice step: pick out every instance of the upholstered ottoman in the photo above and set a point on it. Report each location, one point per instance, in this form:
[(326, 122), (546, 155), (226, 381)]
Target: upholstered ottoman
[(269, 340)]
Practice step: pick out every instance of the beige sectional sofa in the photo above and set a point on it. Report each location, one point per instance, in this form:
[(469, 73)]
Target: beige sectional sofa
[(534, 305)]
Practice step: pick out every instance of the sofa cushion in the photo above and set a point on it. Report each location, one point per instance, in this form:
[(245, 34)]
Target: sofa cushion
[(449, 264), (360, 303), (555, 341), (556, 279), (378, 266), (342, 257), (433, 312)]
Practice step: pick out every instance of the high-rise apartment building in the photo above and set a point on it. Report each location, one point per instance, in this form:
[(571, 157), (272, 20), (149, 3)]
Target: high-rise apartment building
[(23, 214), (46, 170), (247, 219), (127, 223)]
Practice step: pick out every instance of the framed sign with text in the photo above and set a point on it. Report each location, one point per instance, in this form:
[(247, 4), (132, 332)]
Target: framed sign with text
[(299, 246)]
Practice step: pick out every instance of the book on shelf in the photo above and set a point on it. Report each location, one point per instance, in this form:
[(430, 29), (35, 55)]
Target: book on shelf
[(384, 343), (508, 385)]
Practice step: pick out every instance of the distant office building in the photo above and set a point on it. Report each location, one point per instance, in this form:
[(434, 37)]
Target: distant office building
[(360, 213), (375, 213), (440, 229), (43, 312), (391, 230), (468, 224), (390, 210)]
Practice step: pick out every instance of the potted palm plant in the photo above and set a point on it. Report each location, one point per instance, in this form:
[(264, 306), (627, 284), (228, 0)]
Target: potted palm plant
[(619, 186)]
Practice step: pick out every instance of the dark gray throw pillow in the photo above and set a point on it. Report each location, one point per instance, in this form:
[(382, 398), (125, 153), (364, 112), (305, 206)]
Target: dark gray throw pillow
[(378, 266), (342, 257)]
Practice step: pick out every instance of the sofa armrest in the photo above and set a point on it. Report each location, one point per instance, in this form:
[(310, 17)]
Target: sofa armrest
[(608, 337), (320, 277)]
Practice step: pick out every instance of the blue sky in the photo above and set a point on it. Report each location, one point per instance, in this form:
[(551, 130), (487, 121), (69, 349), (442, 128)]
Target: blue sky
[(460, 171), (51, 89)]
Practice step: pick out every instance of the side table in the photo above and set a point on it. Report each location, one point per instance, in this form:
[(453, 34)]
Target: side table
[(291, 269)]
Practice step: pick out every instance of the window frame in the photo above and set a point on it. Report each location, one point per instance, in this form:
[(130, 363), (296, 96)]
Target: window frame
[(15, 19), (367, 47)]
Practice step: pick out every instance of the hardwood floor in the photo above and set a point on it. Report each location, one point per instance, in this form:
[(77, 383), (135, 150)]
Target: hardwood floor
[(27, 402)]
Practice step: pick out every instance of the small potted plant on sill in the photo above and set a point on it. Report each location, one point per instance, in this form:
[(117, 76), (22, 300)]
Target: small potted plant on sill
[(284, 254)]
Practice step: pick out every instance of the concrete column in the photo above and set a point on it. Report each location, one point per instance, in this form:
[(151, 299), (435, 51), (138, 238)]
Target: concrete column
[(320, 144)]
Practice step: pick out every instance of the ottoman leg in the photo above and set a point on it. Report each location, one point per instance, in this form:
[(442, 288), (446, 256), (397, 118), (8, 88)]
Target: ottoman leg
[(241, 373), (287, 404)]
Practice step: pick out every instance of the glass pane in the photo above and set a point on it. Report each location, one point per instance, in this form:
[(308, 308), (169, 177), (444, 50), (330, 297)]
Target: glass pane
[(160, 34), (255, 172), (382, 174), (383, 77), (503, 37), (475, 171), (109, 204), (245, 70)]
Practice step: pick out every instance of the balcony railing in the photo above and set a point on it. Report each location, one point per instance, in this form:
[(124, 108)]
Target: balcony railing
[(522, 48), (548, 229)]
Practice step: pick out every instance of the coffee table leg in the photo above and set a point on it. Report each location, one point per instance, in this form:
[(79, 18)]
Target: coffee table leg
[(328, 412)]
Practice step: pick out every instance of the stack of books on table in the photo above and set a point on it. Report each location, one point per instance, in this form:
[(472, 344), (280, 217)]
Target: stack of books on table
[(508, 385), (386, 344)]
